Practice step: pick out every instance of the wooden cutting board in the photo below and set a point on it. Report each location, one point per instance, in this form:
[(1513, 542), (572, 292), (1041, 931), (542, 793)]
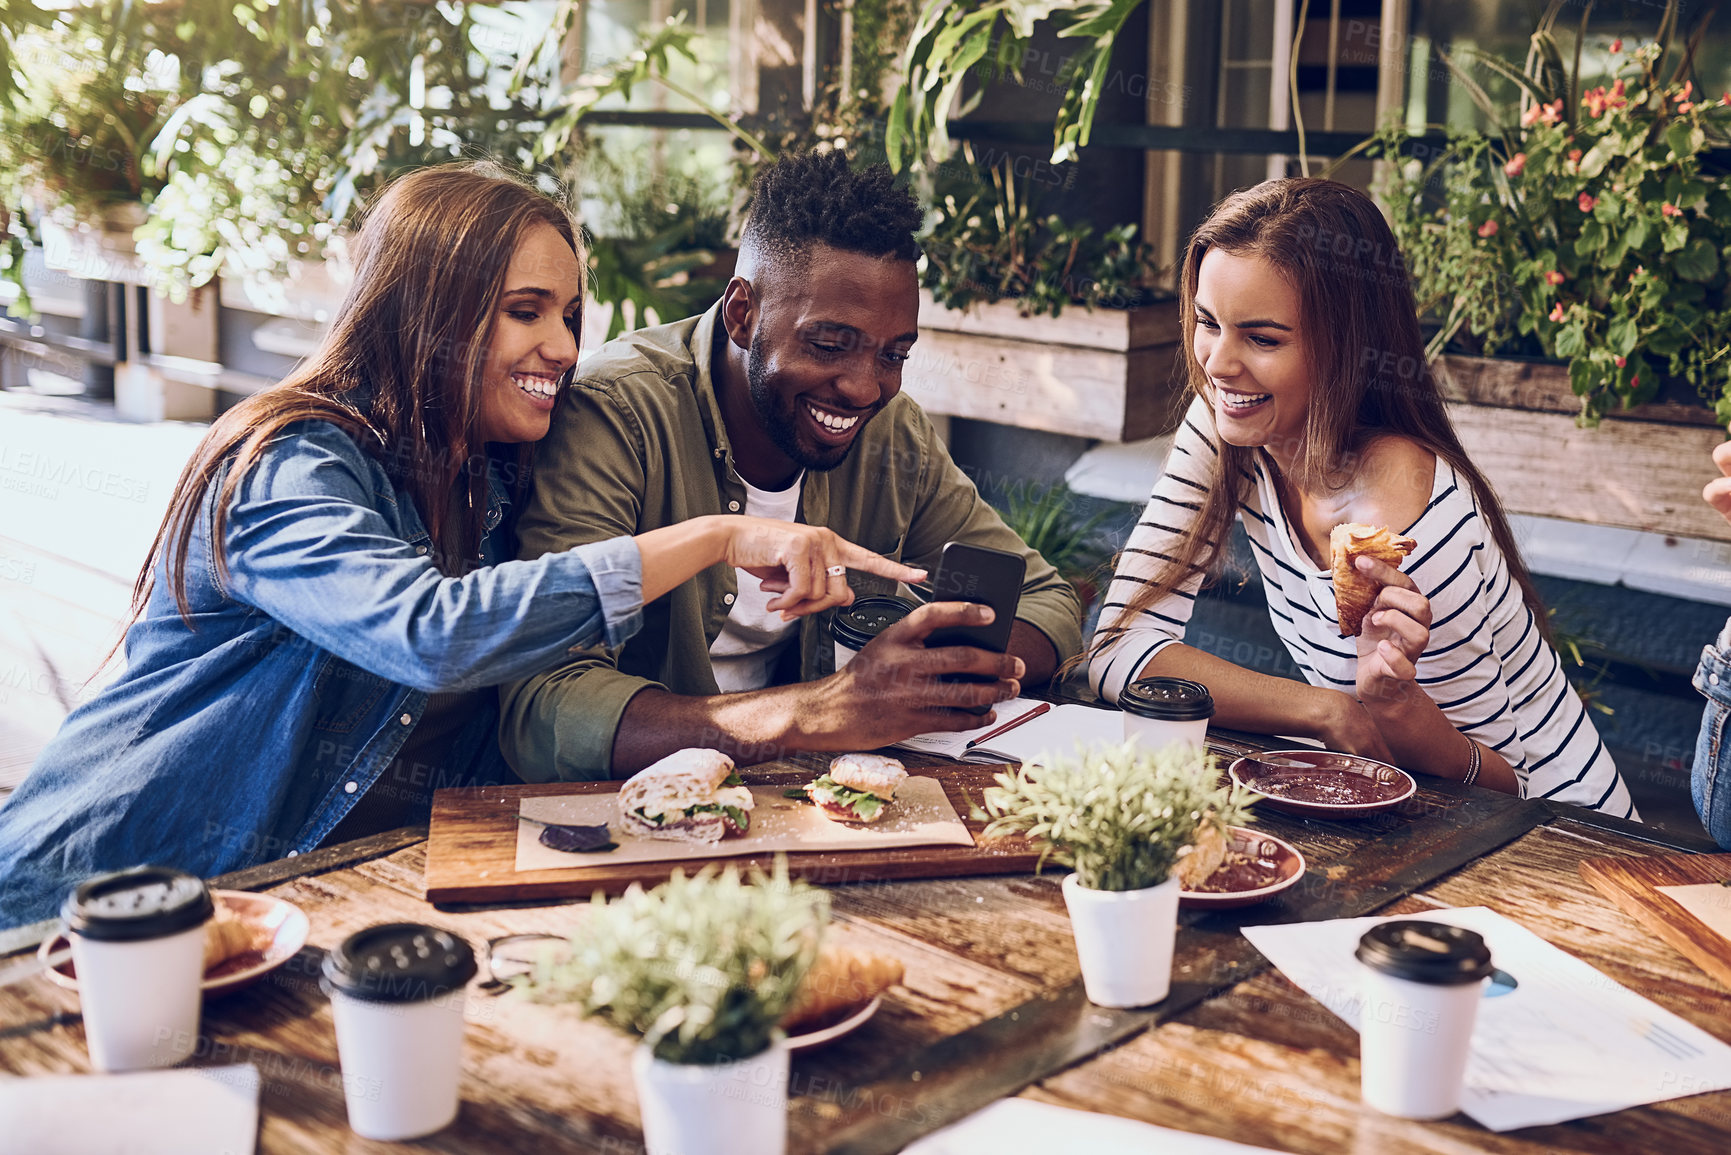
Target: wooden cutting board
[(472, 846), (1632, 883)]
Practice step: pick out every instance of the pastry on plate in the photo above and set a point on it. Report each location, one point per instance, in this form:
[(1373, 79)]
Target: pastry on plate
[(838, 983)]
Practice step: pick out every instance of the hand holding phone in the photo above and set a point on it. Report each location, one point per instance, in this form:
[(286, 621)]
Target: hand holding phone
[(992, 577)]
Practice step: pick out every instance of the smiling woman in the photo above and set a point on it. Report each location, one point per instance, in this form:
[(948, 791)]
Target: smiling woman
[(1314, 408), (330, 600)]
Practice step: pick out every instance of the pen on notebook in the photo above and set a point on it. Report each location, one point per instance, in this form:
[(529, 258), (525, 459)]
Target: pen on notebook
[(1010, 725)]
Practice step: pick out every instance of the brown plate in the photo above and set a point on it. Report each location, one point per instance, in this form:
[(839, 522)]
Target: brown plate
[(1265, 866), (1337, 785), (279, 929)]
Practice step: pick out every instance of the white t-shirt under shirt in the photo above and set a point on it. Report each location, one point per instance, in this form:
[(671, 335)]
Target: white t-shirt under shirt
[(1486, 665), (752, 639)]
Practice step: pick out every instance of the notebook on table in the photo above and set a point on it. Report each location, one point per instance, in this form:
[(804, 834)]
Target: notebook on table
[(1057, 731)]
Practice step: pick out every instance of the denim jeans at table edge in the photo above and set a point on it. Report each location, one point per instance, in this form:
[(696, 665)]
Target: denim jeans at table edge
[(1710, 780)]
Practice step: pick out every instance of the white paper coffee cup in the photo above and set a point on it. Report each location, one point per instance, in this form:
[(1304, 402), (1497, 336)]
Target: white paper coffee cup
[(397, 997), (1422, 985), (1161, 712), (138, 946)]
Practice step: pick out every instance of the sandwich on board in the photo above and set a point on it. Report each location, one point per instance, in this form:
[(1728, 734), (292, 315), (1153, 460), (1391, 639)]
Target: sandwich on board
[(857, 788), (691, 795)]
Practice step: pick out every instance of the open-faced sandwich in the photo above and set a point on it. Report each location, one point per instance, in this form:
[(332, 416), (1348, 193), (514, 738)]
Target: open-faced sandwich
[(689, 796), (839, 982), (857, 787), (1354, 593)]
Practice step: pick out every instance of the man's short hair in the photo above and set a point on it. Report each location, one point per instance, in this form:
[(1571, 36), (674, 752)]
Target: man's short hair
[(816, 198)]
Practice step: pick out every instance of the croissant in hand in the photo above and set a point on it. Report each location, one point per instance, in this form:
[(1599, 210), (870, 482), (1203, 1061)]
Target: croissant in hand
[(1354, 593)]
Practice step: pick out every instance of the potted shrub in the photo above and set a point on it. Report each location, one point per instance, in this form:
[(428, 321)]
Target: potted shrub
[(1122, 817), (701, 970)]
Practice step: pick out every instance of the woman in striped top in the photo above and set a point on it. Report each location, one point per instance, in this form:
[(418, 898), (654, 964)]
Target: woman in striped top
[(1314, 406)]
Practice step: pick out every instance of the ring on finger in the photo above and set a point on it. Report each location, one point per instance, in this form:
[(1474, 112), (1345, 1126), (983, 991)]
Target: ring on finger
[(836, 571)]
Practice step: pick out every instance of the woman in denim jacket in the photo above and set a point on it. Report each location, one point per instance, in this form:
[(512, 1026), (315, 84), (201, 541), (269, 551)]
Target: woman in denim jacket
[(1710, 783), (316, 677)]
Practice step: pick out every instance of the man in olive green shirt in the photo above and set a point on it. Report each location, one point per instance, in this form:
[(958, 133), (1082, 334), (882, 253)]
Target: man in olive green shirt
[(781, 400)]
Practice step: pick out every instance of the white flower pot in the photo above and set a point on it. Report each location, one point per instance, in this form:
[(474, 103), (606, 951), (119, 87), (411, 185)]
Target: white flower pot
[(1124, 941), (737, 1108)]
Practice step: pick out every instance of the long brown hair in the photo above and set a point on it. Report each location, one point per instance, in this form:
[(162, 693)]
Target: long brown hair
[(1360, 324), (401, 368)]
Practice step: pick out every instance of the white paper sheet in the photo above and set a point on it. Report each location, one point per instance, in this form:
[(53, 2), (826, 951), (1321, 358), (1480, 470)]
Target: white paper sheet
[(1030, 1127), (1567, 1042), (921, 815), (1708, 901), (201, 1111)]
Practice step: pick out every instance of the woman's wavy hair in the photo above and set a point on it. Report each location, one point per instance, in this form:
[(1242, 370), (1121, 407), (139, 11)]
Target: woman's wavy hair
[(401, 368), (1360, 325)]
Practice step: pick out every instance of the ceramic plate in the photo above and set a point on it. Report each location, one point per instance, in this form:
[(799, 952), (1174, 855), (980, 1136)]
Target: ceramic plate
[(279, 930), (1336, 786), (1264, 866), (835, 1031)]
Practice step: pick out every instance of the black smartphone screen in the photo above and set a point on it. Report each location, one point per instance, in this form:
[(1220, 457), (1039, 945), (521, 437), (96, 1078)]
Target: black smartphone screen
[(992, 577)]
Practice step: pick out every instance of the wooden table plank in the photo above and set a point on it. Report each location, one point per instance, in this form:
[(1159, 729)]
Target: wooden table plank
[(1632, 883)]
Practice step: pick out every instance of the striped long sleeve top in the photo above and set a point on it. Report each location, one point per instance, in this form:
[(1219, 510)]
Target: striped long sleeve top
[(1486, 665)]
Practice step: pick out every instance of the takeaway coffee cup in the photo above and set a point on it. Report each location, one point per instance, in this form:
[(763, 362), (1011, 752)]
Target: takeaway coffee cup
[(859, 623), (1422, 985), (397, 994), (138, 944), (1161, 711)]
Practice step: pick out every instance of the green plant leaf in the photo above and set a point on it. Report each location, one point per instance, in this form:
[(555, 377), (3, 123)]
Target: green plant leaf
[(1621, 336), (1697, 261), (1571, 340)]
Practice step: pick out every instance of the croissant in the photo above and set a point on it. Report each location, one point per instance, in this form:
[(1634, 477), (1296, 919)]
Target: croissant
[(838, 980), (1353, 592), (225, 937)]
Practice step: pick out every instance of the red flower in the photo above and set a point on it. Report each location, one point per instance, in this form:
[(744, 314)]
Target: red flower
[(1552, 112), (1622, 361), (1557, 311), (1634, 381), (1575, 156), (1553, 278), (1670, 210), (1586, 201), (1617, 45), (1531, 115), (1488, 229), (1686, 106), (1516, 163), (1688, 87)]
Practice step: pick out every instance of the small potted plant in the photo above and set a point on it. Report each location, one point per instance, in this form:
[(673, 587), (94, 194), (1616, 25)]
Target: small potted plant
[(701, 970), (1124, 818)]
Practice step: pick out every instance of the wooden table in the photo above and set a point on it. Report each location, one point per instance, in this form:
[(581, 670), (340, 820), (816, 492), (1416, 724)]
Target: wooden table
[(992, 1004)]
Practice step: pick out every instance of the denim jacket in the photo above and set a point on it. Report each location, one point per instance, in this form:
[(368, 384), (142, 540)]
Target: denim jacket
[(250, 735), (1710, 782)]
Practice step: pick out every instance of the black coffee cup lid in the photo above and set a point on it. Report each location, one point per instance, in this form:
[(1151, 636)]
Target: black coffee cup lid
[(1426, 952), (867, 618), (399, 962), (144, 902), (1167, 700)]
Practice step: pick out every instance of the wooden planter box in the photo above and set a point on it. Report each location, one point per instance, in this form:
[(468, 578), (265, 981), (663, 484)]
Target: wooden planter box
[(1102, 373), (1640, 469)]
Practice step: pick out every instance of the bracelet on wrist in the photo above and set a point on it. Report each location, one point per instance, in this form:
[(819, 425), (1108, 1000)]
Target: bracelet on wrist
[(1474, 760)]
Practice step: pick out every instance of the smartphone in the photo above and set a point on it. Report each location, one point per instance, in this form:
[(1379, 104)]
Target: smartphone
[(991, 577)]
